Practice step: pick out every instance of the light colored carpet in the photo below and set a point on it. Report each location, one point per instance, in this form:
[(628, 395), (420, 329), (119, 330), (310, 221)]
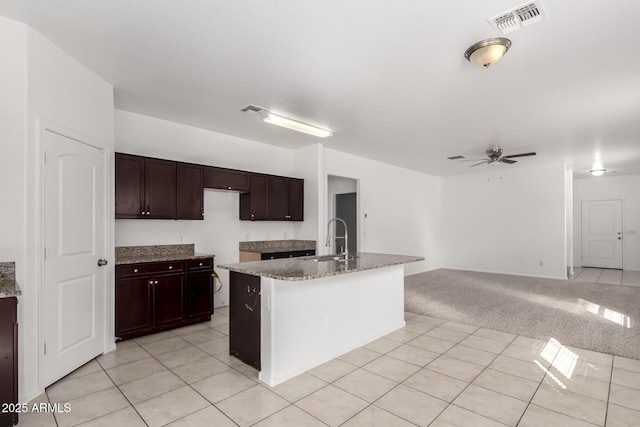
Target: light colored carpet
[(592, 316)]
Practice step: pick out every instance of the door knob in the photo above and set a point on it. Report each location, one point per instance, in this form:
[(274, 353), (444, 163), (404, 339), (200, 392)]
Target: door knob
[(102, 262)]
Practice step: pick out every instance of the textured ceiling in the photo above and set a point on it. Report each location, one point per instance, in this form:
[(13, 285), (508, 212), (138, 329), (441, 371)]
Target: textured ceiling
[(389, 78)]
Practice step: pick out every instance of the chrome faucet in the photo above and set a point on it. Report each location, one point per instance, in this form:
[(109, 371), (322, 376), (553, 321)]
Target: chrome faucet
[(345, 237)]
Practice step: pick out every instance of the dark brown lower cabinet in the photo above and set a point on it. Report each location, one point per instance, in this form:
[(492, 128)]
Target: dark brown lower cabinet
[(168, 299), (199, 293), (244, 318), (290, 254), (134, 306), (8, 360), (153, 297)]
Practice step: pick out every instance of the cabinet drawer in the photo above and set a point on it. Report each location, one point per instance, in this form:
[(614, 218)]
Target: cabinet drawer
[(200, 264), (149, 268)]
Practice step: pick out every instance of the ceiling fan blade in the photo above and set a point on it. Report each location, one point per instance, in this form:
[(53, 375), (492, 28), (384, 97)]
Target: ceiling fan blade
[(508, 161), (477, 164), (472, 160), (519, 155)]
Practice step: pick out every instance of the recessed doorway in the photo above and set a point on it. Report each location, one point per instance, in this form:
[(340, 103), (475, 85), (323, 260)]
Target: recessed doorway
[(343, 203)]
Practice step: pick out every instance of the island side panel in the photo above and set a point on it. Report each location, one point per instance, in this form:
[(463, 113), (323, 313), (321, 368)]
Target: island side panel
[(244, 318), (307, 323)]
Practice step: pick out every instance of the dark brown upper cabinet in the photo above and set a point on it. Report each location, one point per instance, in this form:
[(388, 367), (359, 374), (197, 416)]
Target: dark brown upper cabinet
[(190, 191), (254, 205), (160, 188), (145, 187), (295, 199), (286, 199), (273, 198), (278, 206), (129, 186), (226, 179), (163, 189)]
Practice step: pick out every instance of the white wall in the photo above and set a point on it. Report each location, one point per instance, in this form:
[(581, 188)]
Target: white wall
[(307, 164), (39, 81), (13, 179), (506, 225), (625, 188), (221, 229), (13, 107), (402, 208)]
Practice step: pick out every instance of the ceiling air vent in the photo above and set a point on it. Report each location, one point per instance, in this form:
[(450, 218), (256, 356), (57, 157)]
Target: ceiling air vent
[(518, 17), (252, 109)]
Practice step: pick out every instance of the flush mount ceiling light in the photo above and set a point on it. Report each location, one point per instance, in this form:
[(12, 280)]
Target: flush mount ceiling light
[(487, 52), (286, 122), (597, 172)]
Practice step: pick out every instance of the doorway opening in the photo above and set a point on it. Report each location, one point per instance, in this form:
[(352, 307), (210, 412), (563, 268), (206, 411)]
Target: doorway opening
[(343, 203)]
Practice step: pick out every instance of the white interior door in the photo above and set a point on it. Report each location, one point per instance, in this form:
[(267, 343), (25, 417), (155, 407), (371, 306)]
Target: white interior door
[(74, 232), (602, 234)]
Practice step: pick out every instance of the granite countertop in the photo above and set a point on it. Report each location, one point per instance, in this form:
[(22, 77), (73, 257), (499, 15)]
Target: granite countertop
[(305, 268), (270, 246), (8, 285), (157, 253)]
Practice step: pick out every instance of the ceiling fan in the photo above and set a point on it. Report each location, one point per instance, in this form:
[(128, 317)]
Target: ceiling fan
[(494, 155)]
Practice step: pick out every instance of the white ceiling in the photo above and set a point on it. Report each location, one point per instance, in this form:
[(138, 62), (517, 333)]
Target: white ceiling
[(388, 77)]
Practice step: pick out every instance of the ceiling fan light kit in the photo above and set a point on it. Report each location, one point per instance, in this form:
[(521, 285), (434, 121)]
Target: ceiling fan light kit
[(597, 172), (487, 52), (494, 156)]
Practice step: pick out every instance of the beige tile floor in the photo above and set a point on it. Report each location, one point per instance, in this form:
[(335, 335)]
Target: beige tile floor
[(606, 276), (430, 373)]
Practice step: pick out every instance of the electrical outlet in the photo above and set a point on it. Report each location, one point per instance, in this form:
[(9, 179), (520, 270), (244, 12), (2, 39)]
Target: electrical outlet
[(540, 263), (330, 322)]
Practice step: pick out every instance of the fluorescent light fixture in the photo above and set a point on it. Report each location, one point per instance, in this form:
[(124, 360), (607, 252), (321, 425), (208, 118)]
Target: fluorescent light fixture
[(597, 172), (276, 119)]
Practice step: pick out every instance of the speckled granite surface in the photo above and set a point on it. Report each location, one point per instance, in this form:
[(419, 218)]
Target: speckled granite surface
[(305, 268), (8, 285), (269, 246), (156, 253)]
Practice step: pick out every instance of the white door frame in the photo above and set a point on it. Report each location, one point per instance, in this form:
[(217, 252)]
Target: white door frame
[(43, 125)]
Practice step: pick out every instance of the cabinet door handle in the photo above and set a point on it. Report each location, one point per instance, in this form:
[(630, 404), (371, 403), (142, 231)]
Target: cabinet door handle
[(200, 265), (151, 282), (171, 267), (155, 283), (143, 213), (135, 270), (228, 188)]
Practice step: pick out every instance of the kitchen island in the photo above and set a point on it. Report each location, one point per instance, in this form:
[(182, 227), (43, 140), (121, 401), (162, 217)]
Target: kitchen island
[(290, 315)]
